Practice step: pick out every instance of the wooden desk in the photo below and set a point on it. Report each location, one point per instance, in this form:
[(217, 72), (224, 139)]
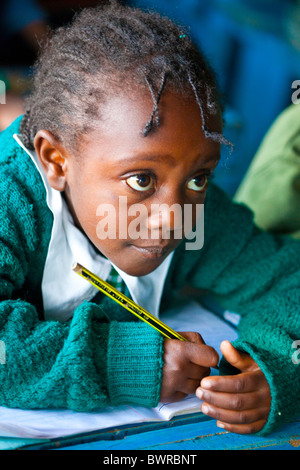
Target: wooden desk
[(185, 433)]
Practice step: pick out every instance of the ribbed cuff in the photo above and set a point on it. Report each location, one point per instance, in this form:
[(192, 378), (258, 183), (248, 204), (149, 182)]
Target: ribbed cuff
[(134, 364)]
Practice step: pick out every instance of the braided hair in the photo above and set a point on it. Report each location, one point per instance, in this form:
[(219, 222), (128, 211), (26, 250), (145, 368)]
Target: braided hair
[(104, 48)]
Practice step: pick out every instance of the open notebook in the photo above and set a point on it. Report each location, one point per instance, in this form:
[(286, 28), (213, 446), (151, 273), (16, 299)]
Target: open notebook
[(49, 424)]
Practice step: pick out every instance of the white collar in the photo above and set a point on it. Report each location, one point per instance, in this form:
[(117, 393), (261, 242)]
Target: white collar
[(62, 289)]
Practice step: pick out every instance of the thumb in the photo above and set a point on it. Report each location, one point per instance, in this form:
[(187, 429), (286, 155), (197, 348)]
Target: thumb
[(237, 359)]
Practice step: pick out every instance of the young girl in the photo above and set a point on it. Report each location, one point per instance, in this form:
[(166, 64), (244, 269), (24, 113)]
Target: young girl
[(123, 104)]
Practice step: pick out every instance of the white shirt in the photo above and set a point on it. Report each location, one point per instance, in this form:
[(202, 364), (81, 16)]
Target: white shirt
[(62, 289)]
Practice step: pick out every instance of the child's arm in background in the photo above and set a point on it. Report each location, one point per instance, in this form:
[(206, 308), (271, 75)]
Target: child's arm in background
[(276, 205), (257, 275)]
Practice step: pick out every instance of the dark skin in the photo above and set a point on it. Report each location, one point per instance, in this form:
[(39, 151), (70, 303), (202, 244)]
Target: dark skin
[(169, 166)]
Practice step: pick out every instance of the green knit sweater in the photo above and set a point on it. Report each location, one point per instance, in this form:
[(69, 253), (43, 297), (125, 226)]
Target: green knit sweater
[(102, 356)]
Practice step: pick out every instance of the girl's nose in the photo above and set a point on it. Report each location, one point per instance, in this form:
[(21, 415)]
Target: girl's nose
[(165, 219), (164, 216)]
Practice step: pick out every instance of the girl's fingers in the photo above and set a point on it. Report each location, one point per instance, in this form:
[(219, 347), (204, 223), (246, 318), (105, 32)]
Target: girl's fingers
[(236, 358), (241, 383), (243, 428), (202, 355), (235, 417), (233, 401), (240, 403), (190, 386), (193, 371), (176, 396)]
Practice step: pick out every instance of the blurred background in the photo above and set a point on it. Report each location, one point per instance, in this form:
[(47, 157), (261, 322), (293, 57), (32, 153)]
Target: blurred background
[(254, 46)]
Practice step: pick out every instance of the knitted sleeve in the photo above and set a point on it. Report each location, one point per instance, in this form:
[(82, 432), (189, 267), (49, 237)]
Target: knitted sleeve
[(257, 275), (82, 364)]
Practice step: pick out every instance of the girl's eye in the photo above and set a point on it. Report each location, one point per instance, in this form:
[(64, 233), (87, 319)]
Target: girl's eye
[(141, 182), (198, 183)]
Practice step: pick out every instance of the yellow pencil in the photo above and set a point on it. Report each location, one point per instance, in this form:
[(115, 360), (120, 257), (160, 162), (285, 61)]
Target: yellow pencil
[(127, 303)]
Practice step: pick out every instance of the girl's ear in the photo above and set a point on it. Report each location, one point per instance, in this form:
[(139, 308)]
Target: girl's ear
[(53, 158)]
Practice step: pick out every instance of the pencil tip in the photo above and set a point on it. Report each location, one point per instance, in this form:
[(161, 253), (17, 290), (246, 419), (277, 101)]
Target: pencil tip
[(76, 267)]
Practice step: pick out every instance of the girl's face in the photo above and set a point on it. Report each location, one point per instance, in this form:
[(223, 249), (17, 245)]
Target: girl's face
[(118, 168)]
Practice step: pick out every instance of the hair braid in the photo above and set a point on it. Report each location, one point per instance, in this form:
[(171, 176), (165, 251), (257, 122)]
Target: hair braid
[(149, 124), (102, 48)]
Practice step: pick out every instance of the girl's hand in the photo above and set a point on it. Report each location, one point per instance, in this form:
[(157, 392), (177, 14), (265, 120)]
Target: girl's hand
[(185, 365), (241, 403)]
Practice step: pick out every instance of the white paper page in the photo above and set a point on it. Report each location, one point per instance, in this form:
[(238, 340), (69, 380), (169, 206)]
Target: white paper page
[(57, 423), (190, 404), (48, 424)]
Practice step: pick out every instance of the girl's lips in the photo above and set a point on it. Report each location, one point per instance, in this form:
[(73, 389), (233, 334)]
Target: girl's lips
[(152, 252)]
